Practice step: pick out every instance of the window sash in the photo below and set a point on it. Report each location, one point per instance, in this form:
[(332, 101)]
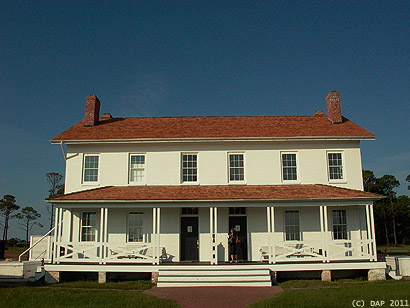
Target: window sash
[(91, 168), (237, 211), (189, 211), (335, 166), (88, 226), (292, 228), (289, 167), (137, 168), (339, 225), (135, 226), (189, 167), (236, 167)]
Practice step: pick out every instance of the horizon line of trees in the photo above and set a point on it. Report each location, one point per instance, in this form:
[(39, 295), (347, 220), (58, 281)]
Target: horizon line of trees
[(392, 213), (28, 216)]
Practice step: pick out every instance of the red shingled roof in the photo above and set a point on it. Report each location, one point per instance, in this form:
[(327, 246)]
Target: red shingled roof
[(239, 192), (213, 127)]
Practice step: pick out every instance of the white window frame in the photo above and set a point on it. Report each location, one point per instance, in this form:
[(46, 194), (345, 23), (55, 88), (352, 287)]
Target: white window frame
[(296, 167), (347, 233), (144, 180), (299, 234), (193, 209), (196, 168), (95, 228), (343, 179), (243, 181), (84, 169), (129, 226)]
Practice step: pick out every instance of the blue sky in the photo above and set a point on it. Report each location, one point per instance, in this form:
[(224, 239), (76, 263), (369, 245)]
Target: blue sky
[(191, 58)]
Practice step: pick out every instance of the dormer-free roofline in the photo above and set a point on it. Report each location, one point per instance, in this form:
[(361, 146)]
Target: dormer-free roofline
[(108, 129), (188, 140)]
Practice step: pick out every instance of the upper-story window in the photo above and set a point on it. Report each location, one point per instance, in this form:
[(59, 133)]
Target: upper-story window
[(292, 229), (339, 225), (88, 226), (236, 168), (137, 168), (289, 167), (335, 162), (91, 168), (189, 168)]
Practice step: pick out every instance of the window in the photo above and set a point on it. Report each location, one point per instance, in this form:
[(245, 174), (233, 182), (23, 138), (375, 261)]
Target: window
[(237, 210), (137, 168), (91, 168), (236, 167), (292, 230), (189, 167), (189, 211), (335, 166), (339, 225), (88, 226), (289, 168), (135, 226)]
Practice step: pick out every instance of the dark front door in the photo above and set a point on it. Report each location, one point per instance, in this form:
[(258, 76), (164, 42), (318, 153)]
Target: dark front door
[(189, 239), (239, 225)]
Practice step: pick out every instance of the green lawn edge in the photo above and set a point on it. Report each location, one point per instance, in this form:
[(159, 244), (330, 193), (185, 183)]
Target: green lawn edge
[(339, 294)]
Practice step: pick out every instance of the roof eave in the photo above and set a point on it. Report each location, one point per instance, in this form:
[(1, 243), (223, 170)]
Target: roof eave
[(214, 139), (293, 200)]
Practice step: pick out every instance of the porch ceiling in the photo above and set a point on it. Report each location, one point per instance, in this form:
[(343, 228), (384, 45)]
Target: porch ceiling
[(301, 193)]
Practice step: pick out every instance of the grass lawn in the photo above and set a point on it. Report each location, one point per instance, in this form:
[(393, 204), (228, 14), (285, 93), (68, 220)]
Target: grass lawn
[(395, 250), (82, 294), (123, 285), (297, 293), (339, 294), (14, 252)]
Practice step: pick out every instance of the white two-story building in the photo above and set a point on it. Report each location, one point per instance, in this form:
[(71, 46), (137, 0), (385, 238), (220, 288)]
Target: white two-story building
[(155, 194)]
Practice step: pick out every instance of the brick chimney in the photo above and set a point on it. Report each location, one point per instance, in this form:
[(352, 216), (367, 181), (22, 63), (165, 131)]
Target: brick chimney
[(334, 111), (92, 110)]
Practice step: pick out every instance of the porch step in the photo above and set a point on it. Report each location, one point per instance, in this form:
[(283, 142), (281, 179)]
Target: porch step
[(214, 277), (40, 273)]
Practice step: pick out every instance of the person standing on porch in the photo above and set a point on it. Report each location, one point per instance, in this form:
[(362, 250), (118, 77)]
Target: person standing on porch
[(232, 240)]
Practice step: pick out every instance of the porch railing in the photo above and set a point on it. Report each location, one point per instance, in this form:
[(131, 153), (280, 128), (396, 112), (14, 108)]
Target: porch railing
[(45, 252), (107, 252), (317, 251)]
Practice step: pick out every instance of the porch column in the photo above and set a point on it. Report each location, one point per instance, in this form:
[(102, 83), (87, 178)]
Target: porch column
[(49, 248), (64, 229), (373, 232), (155, 235), (105, 233), (57, 233), (270, 214), (322, 231), (158, 234), (56, 210), (362, 247), (326, 247), (69, 224), (154, 230), (102, 234), (368, 231), (213, 231)]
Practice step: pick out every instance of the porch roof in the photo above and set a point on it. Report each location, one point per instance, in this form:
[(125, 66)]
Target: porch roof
[(215, 193)]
